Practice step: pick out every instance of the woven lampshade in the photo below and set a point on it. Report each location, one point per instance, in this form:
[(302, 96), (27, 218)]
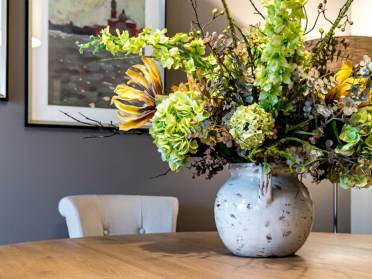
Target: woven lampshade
[(358, 47)]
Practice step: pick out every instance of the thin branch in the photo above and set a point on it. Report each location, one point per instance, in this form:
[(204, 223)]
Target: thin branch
[(257, 10), (194, 6), (249, 50), (211, 20), (231, 22), (114, 130), (98, 123), (201, 28), (315, 24), (330, 34), (78, 120), (306, 18), (326, 18), (162, 174)]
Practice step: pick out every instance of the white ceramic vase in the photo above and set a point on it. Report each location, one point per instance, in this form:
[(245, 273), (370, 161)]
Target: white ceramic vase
[(260, 215)]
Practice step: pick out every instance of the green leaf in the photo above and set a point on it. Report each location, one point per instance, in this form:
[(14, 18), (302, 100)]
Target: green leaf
[(335, 131)]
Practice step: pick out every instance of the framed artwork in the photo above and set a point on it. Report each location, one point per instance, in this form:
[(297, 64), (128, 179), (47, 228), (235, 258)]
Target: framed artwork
[(60, 80), (4, 50)]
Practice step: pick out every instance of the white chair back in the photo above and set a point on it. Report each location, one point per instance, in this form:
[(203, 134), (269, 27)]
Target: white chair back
[(104, 215)]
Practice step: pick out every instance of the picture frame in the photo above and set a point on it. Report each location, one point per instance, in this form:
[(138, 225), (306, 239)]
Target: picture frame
[(4, 49), (51, 38)]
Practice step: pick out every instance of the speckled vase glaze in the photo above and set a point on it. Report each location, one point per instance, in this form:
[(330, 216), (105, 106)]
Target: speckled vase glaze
[(259, 215)]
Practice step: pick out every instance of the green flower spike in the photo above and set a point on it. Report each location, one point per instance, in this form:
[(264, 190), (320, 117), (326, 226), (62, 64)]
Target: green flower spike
[(284, 50)]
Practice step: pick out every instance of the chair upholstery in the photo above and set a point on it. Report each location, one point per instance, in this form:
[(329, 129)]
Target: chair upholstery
[(94, 215)]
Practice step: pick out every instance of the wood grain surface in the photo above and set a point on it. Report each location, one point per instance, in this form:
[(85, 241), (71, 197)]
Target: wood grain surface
[(182, 255)]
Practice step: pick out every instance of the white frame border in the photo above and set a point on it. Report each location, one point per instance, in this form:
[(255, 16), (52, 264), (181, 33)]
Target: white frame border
[(38, 112)]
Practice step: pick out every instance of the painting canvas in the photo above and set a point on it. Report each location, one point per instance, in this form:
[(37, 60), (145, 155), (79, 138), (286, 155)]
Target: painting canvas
[(62, 79)]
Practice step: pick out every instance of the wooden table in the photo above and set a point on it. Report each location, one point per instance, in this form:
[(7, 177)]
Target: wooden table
[(182, 255)]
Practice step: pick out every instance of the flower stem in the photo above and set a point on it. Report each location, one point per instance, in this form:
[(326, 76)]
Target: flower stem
[(330, 33), (231, 22)]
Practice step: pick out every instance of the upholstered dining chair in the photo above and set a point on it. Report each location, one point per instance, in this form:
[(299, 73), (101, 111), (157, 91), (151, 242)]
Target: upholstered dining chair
[(104, 215)]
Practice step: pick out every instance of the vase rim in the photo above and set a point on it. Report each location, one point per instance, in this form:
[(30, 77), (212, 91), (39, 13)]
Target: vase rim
[(253, 165), (278, 168)]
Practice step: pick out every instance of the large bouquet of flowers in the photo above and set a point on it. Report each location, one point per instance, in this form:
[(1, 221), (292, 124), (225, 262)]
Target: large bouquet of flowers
[(256, 95)]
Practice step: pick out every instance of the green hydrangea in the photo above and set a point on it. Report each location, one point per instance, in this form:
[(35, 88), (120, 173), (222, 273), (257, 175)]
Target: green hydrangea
[(363, 120), (350, 134), (251, 126), (284, 49), (177, 122), (357, 133), (357, 178)]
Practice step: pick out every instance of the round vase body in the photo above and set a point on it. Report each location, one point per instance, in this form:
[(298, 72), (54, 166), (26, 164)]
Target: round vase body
[(253, 226)]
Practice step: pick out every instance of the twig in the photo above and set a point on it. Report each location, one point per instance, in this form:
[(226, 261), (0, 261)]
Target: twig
[(98, 123), (249, 50), (162, 174), (197, 22), (330, 34), (315, 24), (256, 9), (211, 20), (194, 6), (95, 124), (306, 18), (326, 18), (78, 120), (231, 22)]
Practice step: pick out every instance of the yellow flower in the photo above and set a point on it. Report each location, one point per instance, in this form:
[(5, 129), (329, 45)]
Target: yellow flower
[(191, 85), (345, 81), (136, 99), (214, 98)]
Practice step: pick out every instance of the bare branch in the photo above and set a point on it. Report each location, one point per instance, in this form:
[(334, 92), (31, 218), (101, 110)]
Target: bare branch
[(315, 23), (78, 120), (257, 10), (98, 123), (201, 28), (114, 130), (162, 174), (328, 37), (230, 22), (306, 18)]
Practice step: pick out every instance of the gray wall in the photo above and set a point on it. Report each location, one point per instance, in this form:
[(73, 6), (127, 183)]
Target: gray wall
[(41, 165)]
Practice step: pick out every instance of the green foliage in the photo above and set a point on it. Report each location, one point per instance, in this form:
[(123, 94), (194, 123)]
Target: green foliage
[(257, 95), (284, 51), (363, 121), (182, 51), (357, 135), (177, 122), (251, 126), (351, 136), (357, 178)]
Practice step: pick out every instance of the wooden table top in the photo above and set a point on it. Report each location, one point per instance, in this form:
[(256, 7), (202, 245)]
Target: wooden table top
[(182, 255)]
